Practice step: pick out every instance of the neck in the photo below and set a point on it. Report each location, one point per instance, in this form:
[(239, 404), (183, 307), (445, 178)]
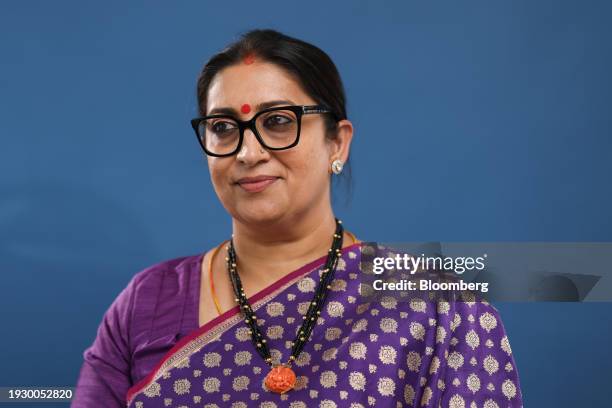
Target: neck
[(265, 254)]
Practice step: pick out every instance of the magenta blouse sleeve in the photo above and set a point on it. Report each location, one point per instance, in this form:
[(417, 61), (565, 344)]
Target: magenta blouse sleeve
[(105, 374)]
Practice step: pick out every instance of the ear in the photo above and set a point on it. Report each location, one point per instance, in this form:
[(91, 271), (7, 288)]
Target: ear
[(339, 147)]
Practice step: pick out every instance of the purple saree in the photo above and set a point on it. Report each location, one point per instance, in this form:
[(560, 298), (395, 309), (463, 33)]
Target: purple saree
[(386, 354)]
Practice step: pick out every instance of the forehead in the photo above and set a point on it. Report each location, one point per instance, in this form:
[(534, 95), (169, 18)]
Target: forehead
[(254, 83)]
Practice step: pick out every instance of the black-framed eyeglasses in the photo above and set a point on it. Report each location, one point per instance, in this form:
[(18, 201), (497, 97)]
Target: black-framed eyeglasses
[(276, 128)]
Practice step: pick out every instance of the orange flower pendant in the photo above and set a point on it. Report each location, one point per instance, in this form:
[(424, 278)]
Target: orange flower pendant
[(280, 379)]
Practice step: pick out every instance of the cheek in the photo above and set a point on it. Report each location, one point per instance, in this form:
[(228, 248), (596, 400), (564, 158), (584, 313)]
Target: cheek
[(218, 171), (308, 168)]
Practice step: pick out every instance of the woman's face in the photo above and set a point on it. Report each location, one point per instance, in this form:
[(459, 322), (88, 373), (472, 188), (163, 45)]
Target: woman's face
[(297, 179)]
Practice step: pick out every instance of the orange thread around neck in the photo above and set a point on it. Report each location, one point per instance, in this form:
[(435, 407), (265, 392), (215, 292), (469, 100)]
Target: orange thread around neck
[(210, 278), (352, 237)]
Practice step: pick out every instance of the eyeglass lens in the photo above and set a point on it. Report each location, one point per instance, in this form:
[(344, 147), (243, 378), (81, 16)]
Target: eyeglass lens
[(278, 129)]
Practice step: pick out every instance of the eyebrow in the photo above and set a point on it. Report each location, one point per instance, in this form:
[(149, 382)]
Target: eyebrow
[(258, 107)]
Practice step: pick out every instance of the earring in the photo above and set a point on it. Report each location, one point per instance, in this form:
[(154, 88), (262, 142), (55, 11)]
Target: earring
[(336, 166), (261, 150)]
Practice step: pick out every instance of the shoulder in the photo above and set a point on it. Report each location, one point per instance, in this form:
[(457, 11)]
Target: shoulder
[(165, 282), (144, 286), (478, 315), (170, 269), (158, 298)]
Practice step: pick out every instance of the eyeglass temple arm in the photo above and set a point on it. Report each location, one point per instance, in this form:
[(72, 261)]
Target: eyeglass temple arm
[(314, 109)]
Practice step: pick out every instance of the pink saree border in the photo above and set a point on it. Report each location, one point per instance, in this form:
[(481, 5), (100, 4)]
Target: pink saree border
[(208, 329)]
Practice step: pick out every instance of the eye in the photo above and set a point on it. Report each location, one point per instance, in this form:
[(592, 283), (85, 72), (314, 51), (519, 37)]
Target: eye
[(222, 127), (276, 121)]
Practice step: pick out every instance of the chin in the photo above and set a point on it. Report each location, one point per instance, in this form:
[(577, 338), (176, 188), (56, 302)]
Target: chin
[(258, 214)]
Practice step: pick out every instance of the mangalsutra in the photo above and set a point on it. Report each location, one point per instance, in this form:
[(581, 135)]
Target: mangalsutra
[(281, 377)]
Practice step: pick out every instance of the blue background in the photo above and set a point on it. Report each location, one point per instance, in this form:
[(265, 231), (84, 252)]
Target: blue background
[(475, 121)]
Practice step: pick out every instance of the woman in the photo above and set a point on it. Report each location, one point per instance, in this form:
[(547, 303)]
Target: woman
[(272, 317)]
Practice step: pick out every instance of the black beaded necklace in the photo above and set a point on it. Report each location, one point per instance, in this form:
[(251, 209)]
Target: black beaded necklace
[(282, 378)]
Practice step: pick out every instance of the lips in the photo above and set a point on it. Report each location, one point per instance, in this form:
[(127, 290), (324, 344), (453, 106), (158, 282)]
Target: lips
[(256, 184)]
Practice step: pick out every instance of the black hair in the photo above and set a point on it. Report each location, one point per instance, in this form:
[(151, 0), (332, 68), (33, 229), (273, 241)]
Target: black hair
[(310, 65)]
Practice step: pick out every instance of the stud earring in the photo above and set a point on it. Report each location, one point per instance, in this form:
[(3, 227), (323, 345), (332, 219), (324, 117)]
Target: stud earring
[(336, 166), (261, 150)]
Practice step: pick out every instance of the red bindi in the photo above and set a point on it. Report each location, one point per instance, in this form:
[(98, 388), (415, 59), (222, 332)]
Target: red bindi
[(246, 108), (249, 59)]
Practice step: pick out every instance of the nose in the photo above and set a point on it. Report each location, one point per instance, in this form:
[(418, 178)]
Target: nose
[(251, 152)]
